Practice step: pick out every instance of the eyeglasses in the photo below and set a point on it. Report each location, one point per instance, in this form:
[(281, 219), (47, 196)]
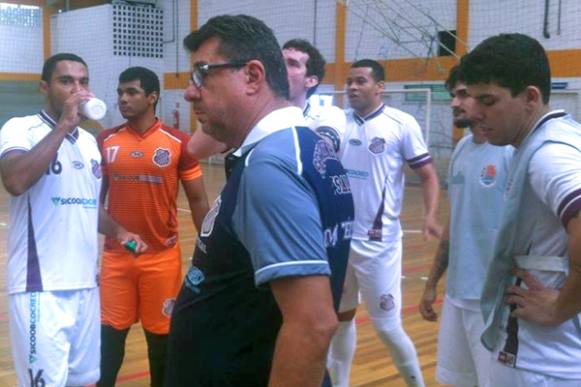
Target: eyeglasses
[(201, 70)]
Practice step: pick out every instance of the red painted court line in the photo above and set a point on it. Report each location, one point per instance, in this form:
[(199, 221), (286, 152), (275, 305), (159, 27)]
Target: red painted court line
[(359, 321), (130, 377)]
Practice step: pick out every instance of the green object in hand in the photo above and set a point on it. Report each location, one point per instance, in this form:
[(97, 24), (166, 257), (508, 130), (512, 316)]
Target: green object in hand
[(131, 246)]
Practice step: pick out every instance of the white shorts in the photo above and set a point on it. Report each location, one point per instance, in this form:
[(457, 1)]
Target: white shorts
[(374, 270), (56, 337), (504, 376), (462, 359)]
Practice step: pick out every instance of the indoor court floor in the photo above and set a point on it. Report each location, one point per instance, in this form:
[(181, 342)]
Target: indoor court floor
[(372, 365)]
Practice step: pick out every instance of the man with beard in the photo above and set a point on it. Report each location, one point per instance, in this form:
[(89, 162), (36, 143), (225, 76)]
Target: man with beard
[(477, 177), (306, 68)]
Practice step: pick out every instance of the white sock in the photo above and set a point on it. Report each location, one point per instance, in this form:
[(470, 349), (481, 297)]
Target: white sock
[(341, 353), (402, 351)]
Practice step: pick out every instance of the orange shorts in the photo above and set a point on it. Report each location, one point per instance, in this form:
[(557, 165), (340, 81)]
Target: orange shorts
[(142, 287)]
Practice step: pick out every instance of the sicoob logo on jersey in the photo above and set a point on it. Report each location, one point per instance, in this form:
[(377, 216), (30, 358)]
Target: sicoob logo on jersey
[(488, 175), (377, 145), (161, 157), (323, 153)]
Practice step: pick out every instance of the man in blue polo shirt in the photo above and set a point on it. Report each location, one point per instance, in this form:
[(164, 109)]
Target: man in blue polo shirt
[(258, 304)]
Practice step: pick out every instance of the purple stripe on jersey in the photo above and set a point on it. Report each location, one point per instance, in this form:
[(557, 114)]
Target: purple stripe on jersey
[(420, 160), (370, 116), (307, 109), (554, 114), (567, 199), (33, 278), (47, 119), (375, 113), (71, 136), (14, 148), (376, 233), (569, 207)]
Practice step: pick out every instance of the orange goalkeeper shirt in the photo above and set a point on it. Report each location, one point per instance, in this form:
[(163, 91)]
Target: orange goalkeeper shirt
[(143, 171)]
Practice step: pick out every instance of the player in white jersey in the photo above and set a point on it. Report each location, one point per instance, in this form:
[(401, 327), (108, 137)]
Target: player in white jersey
[(477, 178), (530, 300), (306, 69), (377, 144), (51, 167)]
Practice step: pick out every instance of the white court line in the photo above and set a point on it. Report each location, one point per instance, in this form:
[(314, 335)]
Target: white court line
[(3, 224), (184, 210)]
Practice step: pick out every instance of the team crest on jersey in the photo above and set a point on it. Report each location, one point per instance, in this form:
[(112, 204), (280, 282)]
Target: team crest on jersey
[(323, 152), (488, 175), (136, 154), (377, 145), (330, 134), (78, 164), (386, 302), (96, 168), (355, 141), (167, 307), (507, 358), (210, 219), (194, 278), (161, 157)]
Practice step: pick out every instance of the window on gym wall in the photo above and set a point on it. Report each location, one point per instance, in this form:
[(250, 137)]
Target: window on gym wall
[(20, 60), (19, 15)]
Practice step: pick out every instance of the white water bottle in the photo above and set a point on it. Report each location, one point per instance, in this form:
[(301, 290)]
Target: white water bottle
[(93, 109)]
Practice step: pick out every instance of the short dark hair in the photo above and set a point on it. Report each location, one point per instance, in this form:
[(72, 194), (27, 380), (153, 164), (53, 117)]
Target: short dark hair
[(147, 79), (514, 61), (243, 38), (315, 63), (454, 77), (377, 71), (50, 63)]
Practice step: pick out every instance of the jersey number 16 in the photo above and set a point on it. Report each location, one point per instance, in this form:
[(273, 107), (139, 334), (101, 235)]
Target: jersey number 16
[(55, 167)]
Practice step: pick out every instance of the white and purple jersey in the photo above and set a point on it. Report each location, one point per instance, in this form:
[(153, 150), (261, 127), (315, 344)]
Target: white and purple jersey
[(52, 239), (374, 151), (328, 121), (550, 197)]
